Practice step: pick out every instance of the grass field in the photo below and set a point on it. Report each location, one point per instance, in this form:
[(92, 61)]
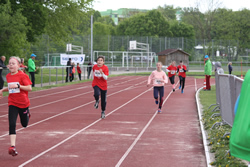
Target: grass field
[(219, 145)]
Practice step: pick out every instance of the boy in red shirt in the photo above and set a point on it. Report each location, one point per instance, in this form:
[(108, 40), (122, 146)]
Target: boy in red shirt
[(171, 74), (99, 83), (79, 71), (182, 75), (18, 86)]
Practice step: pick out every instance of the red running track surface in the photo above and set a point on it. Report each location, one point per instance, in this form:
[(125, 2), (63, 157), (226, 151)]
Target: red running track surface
[(66, 130)]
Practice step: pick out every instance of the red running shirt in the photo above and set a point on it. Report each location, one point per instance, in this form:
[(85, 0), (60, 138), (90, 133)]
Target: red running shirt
[(79, 70), (181, 71), (172, 70), (98, 79), (19, 99)]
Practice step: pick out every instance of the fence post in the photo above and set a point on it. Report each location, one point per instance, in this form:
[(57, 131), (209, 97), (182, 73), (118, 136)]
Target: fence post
[(41, 76), (56, 75), (62, 75), (49, 75)]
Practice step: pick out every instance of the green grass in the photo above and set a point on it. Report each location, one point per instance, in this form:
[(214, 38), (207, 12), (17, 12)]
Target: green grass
[(219, 145)]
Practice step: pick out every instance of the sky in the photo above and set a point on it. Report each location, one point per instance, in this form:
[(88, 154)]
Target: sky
[(103, 5)]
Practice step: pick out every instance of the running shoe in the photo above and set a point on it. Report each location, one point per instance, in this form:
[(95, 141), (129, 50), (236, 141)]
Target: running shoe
[(180, 87), (96, 104), (103, 115), (159, 111), (182, 91), (12, 151), (173, 90), (156, 101)]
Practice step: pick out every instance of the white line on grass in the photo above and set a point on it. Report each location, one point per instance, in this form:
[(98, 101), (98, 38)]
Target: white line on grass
[(205, 144), (44, 152), (71, 110), (139, 136)]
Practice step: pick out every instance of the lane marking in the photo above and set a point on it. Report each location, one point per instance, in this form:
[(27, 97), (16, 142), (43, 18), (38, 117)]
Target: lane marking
[(141, 133), (46, 119), (60, 143)]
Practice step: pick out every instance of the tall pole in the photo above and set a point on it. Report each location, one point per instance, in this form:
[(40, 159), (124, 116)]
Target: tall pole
[(91, 51)]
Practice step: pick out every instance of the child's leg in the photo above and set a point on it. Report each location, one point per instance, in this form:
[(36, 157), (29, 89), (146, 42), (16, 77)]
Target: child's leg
[(79, 74), (103, 99), (161, 91), (96, 92), (156, 91), (183, 83), (13, 113), (24, 116)]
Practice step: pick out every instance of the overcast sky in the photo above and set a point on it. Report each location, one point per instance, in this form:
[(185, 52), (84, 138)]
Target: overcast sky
[(103, 5)]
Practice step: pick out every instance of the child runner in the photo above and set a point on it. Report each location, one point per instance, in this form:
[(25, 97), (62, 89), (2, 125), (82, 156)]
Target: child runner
[(159, 78), (79, 71), (18, 86), (181, 69), (99, 83), (171, 73)]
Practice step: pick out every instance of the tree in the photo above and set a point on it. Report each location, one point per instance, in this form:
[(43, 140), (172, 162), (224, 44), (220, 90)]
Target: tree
[(168, 11), (12, 32), (181, 29), (145, 24)]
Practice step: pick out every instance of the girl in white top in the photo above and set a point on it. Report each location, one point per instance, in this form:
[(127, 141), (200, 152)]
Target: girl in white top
[(159, 79)]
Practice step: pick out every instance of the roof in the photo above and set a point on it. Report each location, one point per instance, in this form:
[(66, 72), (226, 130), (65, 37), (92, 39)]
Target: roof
[(170, 51)]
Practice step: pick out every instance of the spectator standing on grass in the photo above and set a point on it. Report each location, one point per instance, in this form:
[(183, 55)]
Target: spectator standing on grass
[(22, 66), (171, 73), (89, 68), (79, 71), (32, 68), (2, 65), (68, 70), (99, 84), (19, 85), (208, 72), (230, 68), (240, 134), (159, 79), (219, 70)]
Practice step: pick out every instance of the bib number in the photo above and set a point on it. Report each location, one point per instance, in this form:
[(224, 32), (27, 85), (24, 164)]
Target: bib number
[(158, 81), (13, 90), (172, 72), (181, 70), (98, 73)]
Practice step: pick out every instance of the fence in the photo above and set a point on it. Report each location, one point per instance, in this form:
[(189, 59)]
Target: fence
[(228, 88)]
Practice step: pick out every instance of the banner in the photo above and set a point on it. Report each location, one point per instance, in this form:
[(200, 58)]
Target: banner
[(76, 58)]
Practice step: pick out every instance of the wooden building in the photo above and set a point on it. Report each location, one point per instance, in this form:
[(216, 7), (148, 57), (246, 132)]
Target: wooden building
[(169, 55)]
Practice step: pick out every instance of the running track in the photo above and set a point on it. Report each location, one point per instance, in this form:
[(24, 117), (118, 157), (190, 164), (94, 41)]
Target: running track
[(65, 129)]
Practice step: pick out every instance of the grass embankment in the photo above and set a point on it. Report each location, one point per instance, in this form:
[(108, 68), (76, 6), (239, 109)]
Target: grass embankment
[(219, 145)]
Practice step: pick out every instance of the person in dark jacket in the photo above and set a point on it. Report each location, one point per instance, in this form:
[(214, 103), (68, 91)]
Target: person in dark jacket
[(68, 69), (2, 65), (230, 68), (89, 68)]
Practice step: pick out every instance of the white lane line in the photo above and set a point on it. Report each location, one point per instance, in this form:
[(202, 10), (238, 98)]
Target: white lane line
[(141, 133), (69, 90), (46, 119), (60, 143), (66, 98), (204, 137)]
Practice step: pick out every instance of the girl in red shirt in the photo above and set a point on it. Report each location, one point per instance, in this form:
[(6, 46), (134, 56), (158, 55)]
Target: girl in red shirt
[(182, 75), (79, 71), (99, 83), (18, 86), (171, 73)]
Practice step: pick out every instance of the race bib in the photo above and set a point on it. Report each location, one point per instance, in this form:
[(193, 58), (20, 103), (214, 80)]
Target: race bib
[(98, 73), (172, 72), (158, 81), (181, 70), (14, 90)]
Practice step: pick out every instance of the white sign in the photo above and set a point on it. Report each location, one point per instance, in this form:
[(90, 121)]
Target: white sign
[(76, 58), (132, 45)]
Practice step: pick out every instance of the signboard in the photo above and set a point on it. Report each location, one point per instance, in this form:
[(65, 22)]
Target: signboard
[(132, 45), (76, 58)]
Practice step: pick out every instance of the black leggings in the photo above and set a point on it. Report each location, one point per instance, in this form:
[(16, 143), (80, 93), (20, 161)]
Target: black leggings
[(182, 82), (1, 82), (13, 113), (32, 74), (159, 90), (172, 79), (97, 91)]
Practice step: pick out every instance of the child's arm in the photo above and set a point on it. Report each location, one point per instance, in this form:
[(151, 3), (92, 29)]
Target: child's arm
[(165, 78), (150, 78), (3, 90), (26, 88)]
